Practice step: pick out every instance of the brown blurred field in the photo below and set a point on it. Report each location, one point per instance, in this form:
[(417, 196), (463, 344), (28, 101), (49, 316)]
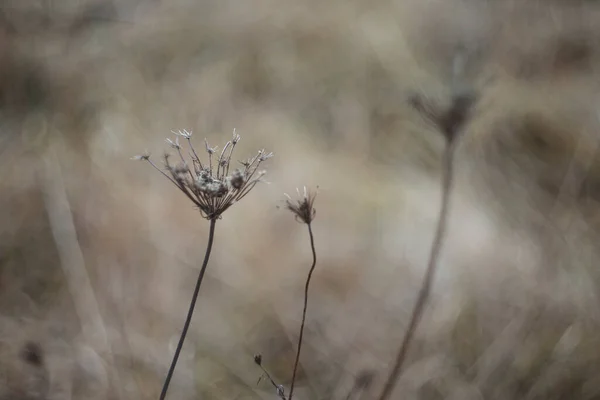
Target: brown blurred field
[(99, 254)]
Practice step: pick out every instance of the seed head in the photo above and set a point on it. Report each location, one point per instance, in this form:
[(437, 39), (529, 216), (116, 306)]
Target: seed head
[(281, 391), (264, 155), (455, 117), (258, 359), (183, 133), (181, 169), (142, 157), (211, 187), (173, 143), (209, 150), (450, 120), (302, 208), (236, 137), (32, 353), (236, 179)]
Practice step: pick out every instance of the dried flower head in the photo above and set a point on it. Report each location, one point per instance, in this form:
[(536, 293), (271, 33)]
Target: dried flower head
[(452, 119), (281, 391), (142, 157), (211, 186), (302, 208), (258, 359)]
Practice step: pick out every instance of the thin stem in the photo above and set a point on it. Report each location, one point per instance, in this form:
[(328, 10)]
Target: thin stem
[(280, 395), (194, 151), (185, 163), (186, 325), (312, 268), (417, 313), (229, 158), (162, 172), (220, 160), (179, 186)]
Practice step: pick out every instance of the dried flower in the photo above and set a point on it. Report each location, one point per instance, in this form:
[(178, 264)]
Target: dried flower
[(211, 188), (264, 155), (236, 179), (258, 359), (303, 207), (32, 353), (236, 137), (210, 150), (281, 391), (142, 157), (453, 120), (450, 120), (173, 144), (184, 134)]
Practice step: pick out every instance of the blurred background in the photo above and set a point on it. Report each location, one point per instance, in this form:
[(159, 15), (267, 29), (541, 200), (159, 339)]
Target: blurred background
[(99, 254)]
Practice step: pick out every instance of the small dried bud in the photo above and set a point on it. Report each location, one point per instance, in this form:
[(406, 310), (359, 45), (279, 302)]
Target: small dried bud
[(216, 189), (281, 391), (456, 116), (173, 144), (181, 169), (210, 150), (178, 171), (236, 180), (142, 157), (258, 359), (236, 137), (32, 354), (200, 185), (184, 134), (264, 156), (204, 175)]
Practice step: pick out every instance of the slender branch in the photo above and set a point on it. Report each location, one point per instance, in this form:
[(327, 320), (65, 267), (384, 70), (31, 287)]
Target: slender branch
[(186, 325), (312, 268), (277, 387), (417, 313), (162, 172), (185, 163)]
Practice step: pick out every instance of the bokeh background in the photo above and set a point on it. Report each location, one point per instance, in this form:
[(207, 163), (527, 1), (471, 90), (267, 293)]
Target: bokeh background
[(99, 254)]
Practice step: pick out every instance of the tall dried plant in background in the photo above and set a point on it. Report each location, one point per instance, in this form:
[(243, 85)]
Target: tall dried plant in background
[(213, 188), (450, 123)]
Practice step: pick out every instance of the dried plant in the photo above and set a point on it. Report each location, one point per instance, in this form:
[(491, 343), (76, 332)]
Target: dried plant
[(213, 189), (450, 123), (279, 389), (304, 212)]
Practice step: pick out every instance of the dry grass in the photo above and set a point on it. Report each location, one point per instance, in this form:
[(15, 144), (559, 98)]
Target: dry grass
[(325, 86)]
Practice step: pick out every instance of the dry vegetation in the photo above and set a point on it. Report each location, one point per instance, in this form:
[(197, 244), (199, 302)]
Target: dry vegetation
[(98, 255)]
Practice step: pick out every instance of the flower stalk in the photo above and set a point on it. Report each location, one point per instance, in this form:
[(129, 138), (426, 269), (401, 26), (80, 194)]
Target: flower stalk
[(213, 190)]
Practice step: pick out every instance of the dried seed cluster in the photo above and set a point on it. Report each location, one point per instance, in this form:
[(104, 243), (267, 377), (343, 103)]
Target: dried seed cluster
[(451, 120), (302, 208), (210, 185)]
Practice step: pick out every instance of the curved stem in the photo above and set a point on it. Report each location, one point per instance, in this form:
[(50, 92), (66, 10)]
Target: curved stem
[(312, 268), (434, 254), (186, 325)]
